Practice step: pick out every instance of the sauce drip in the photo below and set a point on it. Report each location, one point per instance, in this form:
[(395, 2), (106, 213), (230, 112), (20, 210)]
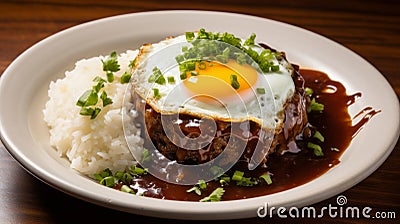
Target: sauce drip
[(296, 166)]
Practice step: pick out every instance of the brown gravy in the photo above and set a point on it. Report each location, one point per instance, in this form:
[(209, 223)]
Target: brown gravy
[(291, 169)]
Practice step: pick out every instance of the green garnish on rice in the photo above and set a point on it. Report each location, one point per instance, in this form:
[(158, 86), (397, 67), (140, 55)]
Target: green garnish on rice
[(89, 99)]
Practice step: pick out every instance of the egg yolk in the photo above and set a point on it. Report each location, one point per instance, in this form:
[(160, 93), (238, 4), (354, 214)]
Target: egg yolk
[(213, 80)]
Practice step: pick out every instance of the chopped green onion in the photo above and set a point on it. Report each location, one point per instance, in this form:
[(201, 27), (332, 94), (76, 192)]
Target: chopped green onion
[(200, 185), (118, 175), (265, 66), (226, 52), (97, 176), (99, 79), (266, 53), (241, 180), (187, 66), (179, 58), (309, 91), (250, 40), (157, 77), (194, 73), (87, 98), (92, 99), (138, 171), (203, 34), (105, 173), (195, 189), (126, 78), (111, 64), (319, 136), (260, 90), (224, 180), (171, 79), (241, 59), (189, 36), (234, 82), (275, 68), (127, 189), (183, 76), (267, 178), (238, 175), (210, 50), (216, 195), (156, 93), (106, 100), (110, 76), (253, 54), (103, 95), (190, 65), (108, 181), (317, 149), (95, 113), (123, 176), (202, 65), (222, 58), (132, 63), (247, 182), (231, 39), (99, 86), (88, 111), (314, 106)]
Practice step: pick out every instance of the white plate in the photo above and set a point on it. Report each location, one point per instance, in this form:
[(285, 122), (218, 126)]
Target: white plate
[(23, 93)]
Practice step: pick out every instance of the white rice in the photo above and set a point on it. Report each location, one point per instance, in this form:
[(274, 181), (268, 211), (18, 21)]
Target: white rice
[(91, 145)]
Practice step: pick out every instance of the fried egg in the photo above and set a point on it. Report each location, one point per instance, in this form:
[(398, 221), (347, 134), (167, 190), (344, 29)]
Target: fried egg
[(209, 90)]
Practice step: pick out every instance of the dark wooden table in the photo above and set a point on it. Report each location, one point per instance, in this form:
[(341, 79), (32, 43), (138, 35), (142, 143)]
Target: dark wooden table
[(370, 28)]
